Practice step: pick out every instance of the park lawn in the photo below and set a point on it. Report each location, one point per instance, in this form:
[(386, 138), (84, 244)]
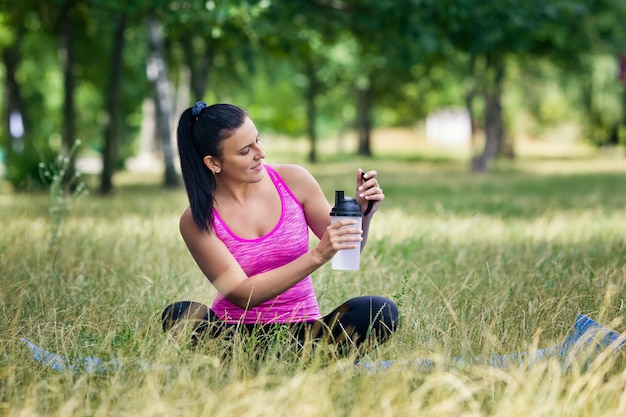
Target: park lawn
[(479, 265)]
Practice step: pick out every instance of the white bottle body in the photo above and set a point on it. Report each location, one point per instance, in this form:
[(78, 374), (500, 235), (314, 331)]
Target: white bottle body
[(348, 259)]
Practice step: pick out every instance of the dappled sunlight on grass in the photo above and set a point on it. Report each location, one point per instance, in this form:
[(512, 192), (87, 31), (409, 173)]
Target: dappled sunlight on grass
[(479, 265), (577, 227)]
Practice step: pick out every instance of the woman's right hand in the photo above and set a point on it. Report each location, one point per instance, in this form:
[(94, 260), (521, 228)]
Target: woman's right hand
[(340, 235)]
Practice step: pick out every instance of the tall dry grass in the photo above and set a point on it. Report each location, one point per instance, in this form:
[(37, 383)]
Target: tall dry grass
[(479, 265)]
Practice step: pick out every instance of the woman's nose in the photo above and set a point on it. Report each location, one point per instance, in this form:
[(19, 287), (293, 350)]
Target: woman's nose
[(260, 154)]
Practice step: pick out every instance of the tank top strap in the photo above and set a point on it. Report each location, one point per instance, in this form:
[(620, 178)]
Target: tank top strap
[(282, 187), (276, 179)]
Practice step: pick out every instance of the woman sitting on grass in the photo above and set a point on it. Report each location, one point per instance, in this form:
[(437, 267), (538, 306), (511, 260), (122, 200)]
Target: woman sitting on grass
[(247, 227)]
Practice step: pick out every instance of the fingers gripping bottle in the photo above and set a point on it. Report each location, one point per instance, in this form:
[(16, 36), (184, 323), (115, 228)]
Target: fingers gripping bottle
[(346, 208)]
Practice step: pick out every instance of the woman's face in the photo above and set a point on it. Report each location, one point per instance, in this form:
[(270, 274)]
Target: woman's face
[(242, 154)]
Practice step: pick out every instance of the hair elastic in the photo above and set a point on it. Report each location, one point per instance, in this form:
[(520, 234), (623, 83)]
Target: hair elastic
[(197, 108)]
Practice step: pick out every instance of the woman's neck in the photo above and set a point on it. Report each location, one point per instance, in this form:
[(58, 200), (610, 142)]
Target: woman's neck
[(237, 193)]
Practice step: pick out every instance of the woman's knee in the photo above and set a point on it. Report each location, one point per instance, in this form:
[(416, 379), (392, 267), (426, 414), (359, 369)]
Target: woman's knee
[(387, 311), (370, 315), (184, 313)]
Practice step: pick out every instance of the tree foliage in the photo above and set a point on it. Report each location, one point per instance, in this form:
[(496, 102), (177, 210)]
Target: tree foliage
[(302, 67)]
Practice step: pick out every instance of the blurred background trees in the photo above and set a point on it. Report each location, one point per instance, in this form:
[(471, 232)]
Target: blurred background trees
[(103, 71)]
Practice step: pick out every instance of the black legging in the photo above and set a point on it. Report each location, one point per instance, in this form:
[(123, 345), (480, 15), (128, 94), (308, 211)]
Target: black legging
[(356, 324)]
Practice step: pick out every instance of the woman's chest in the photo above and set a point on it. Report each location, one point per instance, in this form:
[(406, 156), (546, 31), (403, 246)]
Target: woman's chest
[(253, 220)]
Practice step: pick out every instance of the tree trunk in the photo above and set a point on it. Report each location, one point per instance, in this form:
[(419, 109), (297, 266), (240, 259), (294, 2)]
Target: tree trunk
[(364, 119), (199, 63), (163, 99), (622, 78), (469, 107), (621, 138), (13, 103), (311, 109), (113, 106), (470, 95), (494, 125), (617, 136), (68, 59)]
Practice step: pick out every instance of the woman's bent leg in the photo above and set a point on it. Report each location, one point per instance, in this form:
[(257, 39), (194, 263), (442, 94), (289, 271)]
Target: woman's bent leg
[(355, 325), (358, 323), (186, 316)]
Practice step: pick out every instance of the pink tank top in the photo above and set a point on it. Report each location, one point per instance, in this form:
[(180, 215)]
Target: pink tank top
[(287, 241)]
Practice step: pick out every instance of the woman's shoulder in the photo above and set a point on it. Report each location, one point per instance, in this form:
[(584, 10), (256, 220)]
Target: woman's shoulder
[(294, 175), (186, 220), (187, 224), (291, 172), (297, 178)]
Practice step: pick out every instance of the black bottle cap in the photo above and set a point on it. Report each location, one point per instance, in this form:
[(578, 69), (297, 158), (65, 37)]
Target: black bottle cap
[(345, 206)]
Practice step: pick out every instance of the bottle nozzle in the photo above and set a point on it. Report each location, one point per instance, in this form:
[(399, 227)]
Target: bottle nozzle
[(339, 196), (345, 206)]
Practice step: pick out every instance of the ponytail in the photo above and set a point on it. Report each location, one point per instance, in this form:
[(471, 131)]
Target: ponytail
[(201, 131)]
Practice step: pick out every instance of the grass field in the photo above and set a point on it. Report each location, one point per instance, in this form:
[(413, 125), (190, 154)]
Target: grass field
[(479, 265)]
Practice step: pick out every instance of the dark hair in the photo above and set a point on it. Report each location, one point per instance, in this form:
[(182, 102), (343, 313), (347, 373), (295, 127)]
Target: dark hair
[(201, 131)]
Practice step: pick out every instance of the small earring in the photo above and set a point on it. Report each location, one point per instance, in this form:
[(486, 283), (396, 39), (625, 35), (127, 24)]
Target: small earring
[(217, 171)]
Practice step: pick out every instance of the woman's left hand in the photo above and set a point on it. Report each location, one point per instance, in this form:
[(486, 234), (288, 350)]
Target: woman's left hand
[(368, 189)]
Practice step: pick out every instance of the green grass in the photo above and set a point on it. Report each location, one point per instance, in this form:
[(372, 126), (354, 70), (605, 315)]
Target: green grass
[(479, 265)]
